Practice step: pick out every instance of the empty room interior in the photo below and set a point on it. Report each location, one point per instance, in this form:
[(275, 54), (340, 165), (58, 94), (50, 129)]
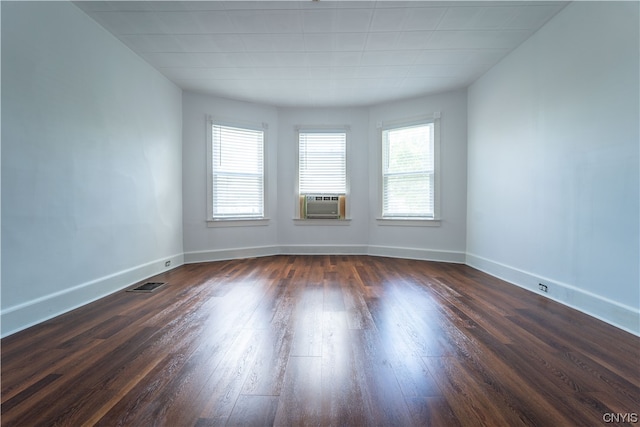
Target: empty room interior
[(320, 213)]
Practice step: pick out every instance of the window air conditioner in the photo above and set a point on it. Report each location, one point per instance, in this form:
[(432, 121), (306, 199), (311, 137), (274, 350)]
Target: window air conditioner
[(322, 206)]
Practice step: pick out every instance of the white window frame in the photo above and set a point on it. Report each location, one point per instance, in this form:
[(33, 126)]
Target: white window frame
[(433, 118), (230, 221), (345, 129)]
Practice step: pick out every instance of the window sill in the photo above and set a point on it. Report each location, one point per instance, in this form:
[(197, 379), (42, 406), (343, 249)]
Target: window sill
[(304, 221), (237, 222), (409, 222)]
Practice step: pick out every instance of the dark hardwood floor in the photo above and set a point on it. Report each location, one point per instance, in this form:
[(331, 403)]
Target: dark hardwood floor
[(322, 340)]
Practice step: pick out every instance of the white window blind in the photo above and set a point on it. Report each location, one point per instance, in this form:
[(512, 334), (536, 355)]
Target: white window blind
[(237, 172), (322, 164), (408, 172)]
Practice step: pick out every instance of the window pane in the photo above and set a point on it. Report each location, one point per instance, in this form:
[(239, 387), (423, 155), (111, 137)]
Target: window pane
[(322, 162), (408, 172), (409, 149), (238, 179), (408, 195), (237, 195)]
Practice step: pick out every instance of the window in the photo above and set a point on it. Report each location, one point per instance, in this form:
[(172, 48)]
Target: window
[(322, 164), (322, 169), (409, 172), (236, 187)]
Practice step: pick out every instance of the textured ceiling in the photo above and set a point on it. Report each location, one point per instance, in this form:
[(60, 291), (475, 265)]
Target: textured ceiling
[(321, 53)]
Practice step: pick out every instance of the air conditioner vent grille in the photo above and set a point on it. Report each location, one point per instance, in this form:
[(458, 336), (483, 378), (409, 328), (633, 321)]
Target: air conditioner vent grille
[(322, 206)]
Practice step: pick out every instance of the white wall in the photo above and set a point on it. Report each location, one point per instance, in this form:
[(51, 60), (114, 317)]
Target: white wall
[(361, 234), (299, 236), (200, 242), (91, 164), (447, 241), (553, 181)]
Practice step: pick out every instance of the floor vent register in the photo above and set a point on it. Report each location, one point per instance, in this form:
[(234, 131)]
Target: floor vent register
[(147, 287)]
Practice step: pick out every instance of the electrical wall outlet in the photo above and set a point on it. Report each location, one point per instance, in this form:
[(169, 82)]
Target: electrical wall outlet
[(543, 288)]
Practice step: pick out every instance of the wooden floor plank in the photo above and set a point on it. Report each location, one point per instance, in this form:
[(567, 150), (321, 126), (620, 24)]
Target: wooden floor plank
[(431, 411), (342, 397), (300, 403), (382, 396), (307, 335), (223, 387), (254, 411), (321, 340)]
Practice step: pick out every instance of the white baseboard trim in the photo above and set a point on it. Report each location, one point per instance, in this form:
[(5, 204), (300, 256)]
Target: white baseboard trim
[(30, 313), (323, 249), (227, 254), (612, 312), (418, 254), (388, 251), (261, 251)]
